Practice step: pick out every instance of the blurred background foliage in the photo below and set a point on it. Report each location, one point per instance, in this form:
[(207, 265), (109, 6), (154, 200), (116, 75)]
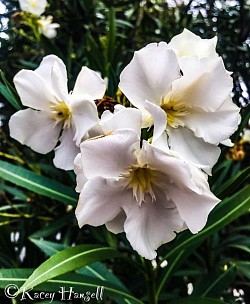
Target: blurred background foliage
[(103, 35)]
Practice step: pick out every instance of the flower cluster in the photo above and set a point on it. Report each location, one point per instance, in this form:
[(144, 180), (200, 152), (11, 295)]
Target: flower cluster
[(44, 24), (141, 170)]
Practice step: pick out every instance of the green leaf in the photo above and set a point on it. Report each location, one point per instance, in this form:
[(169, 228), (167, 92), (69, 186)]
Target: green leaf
[(192, 300), (96, 270), (9, 93), (48, 247), (215, 282), (233, 183), (244, 268), (68, 260), (37, 183), (53, 227), (228, 210)]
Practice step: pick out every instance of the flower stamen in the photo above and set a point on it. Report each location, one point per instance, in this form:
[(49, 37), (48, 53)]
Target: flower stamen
[(140, 180), (174, 110), (61, 113)]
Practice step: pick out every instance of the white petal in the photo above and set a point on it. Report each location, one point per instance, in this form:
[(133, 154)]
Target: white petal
[(100, 201), (194, 208), (205, 83), (117, 224), (122, 118), (80, 176), (214, 127), (194, 149), (37, 7), (33, 90), (151, 225), (84, 117), (110, 155), (159, 118), (227, 143), (59, 81), (46, 66), (189, 44), (174, 169), (150, 74), (89, 84), (67, 151), (34, 129)]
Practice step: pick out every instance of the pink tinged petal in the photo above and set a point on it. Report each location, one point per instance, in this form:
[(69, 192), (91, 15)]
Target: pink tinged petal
[(151, 225), (100, 201), (121, 119), (34, 129), (174, 170), (205, 83), (66, 152), (117, 224), (150, 74), (194, 208), (194, 149), (111, 155), (189, 44), (214, 127), (33, 90), (84, 117), (89, 84), (80, 176)]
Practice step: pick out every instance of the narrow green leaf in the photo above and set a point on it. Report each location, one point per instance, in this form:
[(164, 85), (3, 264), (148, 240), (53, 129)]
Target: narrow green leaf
[(37, 183), (96, 270), (215, 282), (48, 247), (9, 92), (244, 268), (68, 260), (53, 227), (233, 183), (192, 300), (241, 247)]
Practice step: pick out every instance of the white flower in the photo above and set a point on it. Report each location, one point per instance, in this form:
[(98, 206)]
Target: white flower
[(120, 119), (47, 28), (189, 44), (146, 192), (36, 7), (55, 114), (194, 105)]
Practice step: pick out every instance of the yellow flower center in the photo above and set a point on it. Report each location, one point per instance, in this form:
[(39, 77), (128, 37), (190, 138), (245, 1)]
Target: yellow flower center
[(61, 113), (140, 180), (174, 110)]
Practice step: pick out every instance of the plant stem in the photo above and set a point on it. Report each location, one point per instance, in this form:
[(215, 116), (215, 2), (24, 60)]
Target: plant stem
[(150, 276)]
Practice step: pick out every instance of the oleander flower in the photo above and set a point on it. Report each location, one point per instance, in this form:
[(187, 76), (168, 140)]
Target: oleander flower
[(192, 93), (146, 192), (189, 44), (47, 28), (54, 114), (36, 7)]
